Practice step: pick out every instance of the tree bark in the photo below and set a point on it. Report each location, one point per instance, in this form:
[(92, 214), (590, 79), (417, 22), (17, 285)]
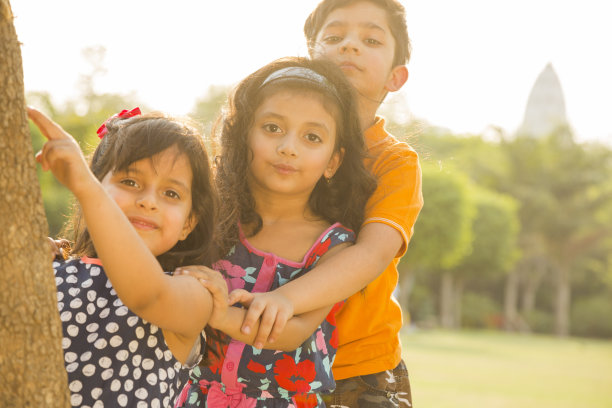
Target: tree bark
[(32, 372)]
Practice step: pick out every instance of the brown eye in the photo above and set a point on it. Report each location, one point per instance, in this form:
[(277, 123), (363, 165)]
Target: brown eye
[(129, 182), (331, 39), (272, 128), (172, 194), (313, 137)]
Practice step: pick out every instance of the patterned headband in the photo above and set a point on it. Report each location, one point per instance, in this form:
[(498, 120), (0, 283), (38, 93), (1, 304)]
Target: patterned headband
[(304, 75)]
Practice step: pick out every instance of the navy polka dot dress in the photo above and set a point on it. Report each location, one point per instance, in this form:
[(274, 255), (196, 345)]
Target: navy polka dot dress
[(113, 357)]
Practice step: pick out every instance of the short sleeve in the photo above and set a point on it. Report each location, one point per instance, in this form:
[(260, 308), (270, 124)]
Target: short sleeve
[(398, 198)]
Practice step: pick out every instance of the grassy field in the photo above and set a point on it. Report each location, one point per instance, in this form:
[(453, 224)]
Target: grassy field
[(499, 370)]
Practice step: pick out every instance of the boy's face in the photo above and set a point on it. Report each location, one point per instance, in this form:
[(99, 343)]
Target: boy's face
[(358, 39)]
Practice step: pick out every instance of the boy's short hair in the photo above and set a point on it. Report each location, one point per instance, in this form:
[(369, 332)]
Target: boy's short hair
[(396, 18)]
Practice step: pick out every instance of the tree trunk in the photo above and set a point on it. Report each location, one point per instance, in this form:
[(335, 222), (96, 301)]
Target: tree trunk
[(534, 277), (32, 372), (513, 321), (407, 280), (457, 301), (511, 301), (562, 303), (446, 300)]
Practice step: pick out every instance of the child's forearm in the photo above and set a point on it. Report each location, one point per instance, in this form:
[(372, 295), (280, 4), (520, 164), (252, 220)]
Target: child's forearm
[(297, 330), (119, 247), (177, 305), (346, 272)]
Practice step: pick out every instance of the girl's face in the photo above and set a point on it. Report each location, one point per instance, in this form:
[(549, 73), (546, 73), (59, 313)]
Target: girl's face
[(155, 195), (292, 141)]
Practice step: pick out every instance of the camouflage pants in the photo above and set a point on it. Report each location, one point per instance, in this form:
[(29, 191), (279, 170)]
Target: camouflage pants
[(387, 389)]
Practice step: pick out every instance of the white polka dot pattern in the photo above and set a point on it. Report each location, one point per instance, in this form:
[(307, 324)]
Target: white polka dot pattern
[(113, 358)]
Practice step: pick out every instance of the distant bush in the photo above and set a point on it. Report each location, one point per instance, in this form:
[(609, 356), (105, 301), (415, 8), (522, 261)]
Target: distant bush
[(591, 317), (479, 311), (540, 322), (422, 305)]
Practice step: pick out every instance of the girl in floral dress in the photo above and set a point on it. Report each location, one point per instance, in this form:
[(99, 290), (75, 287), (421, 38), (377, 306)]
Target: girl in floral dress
[(292, 187)]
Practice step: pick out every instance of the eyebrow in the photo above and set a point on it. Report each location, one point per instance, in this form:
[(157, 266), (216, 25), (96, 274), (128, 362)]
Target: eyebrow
[(176, 182), (266, 115), (366, 24)]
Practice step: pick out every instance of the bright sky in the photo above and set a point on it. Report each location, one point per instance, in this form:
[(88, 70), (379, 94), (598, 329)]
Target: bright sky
[(473, 63)]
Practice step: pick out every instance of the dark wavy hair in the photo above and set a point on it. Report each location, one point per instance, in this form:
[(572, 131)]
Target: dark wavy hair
[(396, 18), (141, 137), (341, 200)]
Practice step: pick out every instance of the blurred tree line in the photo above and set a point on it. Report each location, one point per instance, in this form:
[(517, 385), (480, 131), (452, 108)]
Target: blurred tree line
[(515, 234)]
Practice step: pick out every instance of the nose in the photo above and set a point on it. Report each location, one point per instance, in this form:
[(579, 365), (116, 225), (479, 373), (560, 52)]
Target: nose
[(349, 44), (147, 200), (287, 145)]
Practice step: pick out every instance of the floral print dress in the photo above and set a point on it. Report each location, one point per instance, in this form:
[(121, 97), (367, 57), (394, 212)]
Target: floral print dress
[(246, 377)]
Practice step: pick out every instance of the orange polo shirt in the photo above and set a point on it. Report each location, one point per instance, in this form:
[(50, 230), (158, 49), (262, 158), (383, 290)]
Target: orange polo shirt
[(370, 321)]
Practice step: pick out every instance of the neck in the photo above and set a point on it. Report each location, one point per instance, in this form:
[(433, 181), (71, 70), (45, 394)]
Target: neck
[(367, 112), (274, 207)]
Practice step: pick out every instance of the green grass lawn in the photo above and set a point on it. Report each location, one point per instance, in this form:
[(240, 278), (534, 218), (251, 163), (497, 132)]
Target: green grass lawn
[(498, 370)]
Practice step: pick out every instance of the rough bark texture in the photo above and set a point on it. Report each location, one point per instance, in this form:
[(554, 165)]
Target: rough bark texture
[(32, 371)]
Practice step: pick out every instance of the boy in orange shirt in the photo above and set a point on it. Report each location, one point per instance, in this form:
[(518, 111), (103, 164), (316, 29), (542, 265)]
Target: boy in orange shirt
[(368, 40)]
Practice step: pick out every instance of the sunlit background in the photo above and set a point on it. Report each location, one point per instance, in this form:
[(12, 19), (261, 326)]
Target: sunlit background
[(515, 237), (473, 64)]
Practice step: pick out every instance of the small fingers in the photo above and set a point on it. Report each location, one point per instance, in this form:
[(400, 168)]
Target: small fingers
[(265, 326), (279, 325), (197, 271), (241, 296), (216, 290), (48, 128), (253, 314)]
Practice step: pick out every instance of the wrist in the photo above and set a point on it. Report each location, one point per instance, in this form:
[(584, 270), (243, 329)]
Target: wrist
[(88, 188)]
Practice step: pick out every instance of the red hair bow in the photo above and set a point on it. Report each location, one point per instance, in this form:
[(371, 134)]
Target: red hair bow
[(124, 114)]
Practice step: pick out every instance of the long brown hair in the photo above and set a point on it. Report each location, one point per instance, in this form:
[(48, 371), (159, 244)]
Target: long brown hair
[(141, 137), (342, 200)]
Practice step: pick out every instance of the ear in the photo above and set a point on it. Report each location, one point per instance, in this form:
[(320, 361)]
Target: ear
[(190, 224), (397, 78), (334, 163)]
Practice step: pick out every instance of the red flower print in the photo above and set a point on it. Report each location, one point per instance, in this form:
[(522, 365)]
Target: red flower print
[(306, 400), (233, 274), (256, 367), (331, 319), (333, 341), (215, 360), (318, 252), (294, 377), (331, 316)]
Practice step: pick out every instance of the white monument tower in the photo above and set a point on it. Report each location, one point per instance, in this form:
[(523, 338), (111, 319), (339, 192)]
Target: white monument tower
[(545, 109)]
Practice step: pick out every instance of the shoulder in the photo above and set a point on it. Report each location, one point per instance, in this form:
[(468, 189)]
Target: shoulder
[(338, 233), (387, 152), (334, 236)]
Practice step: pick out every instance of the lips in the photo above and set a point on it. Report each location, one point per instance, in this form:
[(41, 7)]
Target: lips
[(143, 223), (348, 65), (284, 168)]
